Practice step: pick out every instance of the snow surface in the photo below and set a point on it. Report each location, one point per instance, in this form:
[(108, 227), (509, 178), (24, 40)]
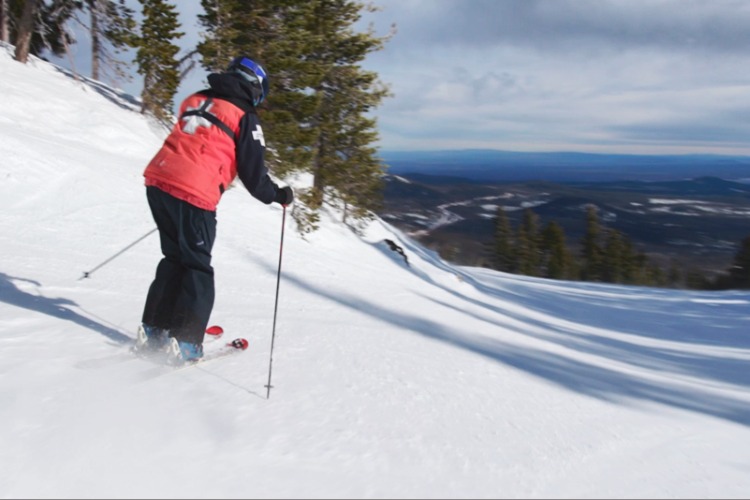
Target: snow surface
[(428, 381)]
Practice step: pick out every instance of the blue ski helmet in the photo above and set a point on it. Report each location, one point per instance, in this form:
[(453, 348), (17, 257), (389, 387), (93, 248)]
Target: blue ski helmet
[(253, 73)]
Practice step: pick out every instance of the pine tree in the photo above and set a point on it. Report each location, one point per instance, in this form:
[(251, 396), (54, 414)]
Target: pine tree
[(557, 259), (356, 175), (52, 31), (674, 275), (111, 24), (635, 264), (4, 21), (622, 263), (276, 35), (315, 120), (156, 57), (528, 251), (656, 276), (696, 280), (344, 166), (614, 258), (591, 251), (234, 28), (44, 29), (503, 252), (26, 30), (740, 271)]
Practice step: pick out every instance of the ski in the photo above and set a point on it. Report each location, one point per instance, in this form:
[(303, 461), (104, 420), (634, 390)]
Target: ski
[(214, 353), (236, 346), (213, 333), (211, 351)]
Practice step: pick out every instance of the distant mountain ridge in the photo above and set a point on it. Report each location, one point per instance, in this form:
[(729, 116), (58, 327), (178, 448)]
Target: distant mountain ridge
[(509, 166)]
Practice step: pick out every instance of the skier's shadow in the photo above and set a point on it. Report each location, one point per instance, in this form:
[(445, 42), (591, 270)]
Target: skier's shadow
[(55, 307)]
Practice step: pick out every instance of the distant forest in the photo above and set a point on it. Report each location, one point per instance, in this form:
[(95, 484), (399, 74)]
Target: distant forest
[(605, 255)]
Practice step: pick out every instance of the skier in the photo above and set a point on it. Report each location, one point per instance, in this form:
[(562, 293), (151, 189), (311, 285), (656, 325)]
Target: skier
[(217, 138)]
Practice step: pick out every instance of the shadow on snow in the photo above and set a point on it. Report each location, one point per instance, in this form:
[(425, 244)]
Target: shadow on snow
[(583, 377), (56, 307)]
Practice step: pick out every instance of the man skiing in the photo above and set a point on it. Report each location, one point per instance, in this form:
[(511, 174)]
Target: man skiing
[(217, 138)]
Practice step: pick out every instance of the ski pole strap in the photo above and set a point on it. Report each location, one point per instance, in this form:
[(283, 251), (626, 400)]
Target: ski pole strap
[(203, 113)]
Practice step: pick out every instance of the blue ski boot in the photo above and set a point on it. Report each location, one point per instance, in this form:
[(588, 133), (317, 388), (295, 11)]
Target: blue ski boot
[(181, 353)]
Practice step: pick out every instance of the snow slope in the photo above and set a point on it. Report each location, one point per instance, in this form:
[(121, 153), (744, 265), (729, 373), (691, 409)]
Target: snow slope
[(390, 381)]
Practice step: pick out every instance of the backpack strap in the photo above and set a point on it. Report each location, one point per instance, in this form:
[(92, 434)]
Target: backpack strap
[(203, 113)]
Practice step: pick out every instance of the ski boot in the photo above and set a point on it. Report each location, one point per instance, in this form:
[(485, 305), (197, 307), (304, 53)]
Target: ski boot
[(150, 339), (181, 353)]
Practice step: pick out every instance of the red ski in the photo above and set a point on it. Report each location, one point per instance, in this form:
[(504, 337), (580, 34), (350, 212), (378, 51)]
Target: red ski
[(213, 333)]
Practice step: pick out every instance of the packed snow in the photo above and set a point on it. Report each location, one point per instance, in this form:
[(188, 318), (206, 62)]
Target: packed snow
[(390, 379)]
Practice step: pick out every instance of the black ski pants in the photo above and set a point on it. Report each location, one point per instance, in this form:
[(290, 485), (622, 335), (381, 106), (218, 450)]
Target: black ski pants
[(181, 296)]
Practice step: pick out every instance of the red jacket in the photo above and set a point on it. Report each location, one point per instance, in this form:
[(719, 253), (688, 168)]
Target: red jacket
[(216, 137)]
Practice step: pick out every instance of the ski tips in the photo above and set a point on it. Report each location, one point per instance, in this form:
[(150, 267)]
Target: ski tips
[(215, 330), (239, 344)]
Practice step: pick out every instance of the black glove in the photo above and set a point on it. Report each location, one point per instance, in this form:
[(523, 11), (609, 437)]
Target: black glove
[(284, 196)]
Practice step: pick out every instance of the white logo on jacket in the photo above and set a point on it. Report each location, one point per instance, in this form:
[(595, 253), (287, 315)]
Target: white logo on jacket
[(258, 135), (194, 122)]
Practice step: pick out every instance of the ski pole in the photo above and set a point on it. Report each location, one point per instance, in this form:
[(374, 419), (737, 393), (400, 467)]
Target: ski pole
[(87, 274), (276, 305)]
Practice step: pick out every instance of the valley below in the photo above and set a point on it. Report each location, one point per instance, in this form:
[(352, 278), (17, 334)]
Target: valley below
[(695, 225)]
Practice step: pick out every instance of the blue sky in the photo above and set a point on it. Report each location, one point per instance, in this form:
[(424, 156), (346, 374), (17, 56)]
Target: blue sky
[(615, 76)]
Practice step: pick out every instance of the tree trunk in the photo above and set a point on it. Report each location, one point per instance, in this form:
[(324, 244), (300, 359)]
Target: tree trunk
[(25, 30), (4, 33), (96, 47), (70, 57)]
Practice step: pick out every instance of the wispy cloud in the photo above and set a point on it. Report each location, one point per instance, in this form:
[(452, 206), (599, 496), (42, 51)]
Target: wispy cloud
[(565, 74), (623, 76)]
